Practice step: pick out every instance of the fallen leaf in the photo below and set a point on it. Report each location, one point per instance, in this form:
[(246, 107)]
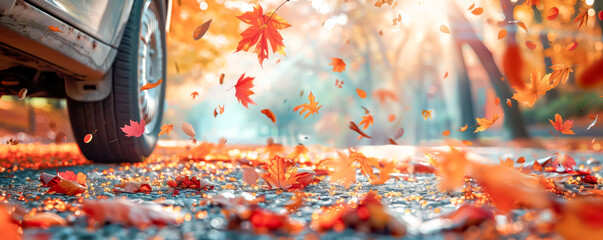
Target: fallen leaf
[(129, 213), (361, 93), (566, 161), (166, 129), (562, 127), (132, 187), (338, 64), (484, 123), (552, 13), (384, 174), (444, 29), (264, 28), (135, 129), (269, 114), (539, 87), (243, 90), (151, 85), (311, 107), (67, 187), (502, 34), (201, 30), (282, 175), (250, 175), (188, 182)]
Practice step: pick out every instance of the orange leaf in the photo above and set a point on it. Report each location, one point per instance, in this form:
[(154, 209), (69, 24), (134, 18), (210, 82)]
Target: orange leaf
[(338, 64), (426, 114), (562, 127), (463, 128), (166, 129), (539, 87), (452, 168), (502, 34), (67, 187), (269, 114), (560, 74), (497, 101), (445, 75), (444, 29), (552, 13), (471, 7), (135, 129), (262, 31), (361, 93), (128, 213), (582, 18), (509, 103), (384, 174), (54, 29), (194, 95), (201, 30), (355, 128), (565, 161), (446, 133), (243, 90), (151, 85), (312, 107), (250, 175), (366, 121), (299, 152), (520, 24), (41, 220), (571, 46), (467, 142), (281, 174), (484, 123), (477, 11), (391, 117)]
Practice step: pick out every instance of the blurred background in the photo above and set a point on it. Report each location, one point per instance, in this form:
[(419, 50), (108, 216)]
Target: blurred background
[(396, 53)]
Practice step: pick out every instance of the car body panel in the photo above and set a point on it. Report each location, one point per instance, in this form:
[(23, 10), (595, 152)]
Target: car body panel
[(70, 51), (102, 19)]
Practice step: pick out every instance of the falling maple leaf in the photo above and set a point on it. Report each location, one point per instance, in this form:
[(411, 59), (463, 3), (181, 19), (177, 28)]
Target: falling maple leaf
[(243, 90), (484, 123), (311, 107), (366, 121), (560, 74), (539, 87), (582, 17), (151, 85), (566, 161), (166, 129), (345, 173), (194, 95), (135, 129), (520, 24), (562, 127), (269, 114), (426, 114), (338, 64), (264, 28)]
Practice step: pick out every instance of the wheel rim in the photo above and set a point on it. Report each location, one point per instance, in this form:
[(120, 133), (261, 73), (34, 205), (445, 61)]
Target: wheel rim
[(150, 65)]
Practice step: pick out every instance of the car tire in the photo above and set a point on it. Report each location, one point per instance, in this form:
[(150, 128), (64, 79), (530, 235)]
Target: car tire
[(104, 119)]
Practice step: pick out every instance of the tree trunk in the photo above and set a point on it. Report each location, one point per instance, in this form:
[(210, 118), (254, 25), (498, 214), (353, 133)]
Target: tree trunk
[(464, 91)]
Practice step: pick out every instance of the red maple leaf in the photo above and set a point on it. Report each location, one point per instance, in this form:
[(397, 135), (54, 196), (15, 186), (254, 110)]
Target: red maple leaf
[(563, 127), (243, 90), (135, 129), (263, 29), (564, 160)]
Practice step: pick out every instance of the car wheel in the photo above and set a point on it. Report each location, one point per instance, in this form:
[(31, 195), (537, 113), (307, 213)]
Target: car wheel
[(140, 60)]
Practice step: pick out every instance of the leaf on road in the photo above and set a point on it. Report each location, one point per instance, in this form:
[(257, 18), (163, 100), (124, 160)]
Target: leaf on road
[(190, 183), (250, 175), (132, 187), (129, 213), (135, 129), (566, 161)]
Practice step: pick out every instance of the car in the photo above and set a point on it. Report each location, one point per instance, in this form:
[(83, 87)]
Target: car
[(96, 54)]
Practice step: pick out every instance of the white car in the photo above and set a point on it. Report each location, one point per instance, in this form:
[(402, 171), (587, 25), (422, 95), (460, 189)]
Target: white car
[(97, 54)]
